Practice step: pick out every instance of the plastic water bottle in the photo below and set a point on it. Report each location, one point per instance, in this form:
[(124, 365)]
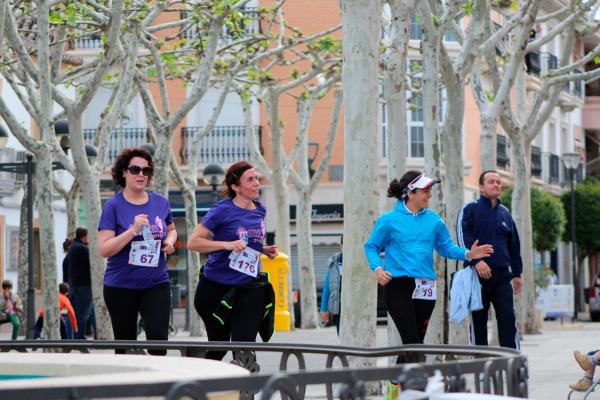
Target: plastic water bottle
[(148, 237)]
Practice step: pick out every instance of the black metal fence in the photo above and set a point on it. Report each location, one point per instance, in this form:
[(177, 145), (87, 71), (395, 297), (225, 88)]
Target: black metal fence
[(489, 370)]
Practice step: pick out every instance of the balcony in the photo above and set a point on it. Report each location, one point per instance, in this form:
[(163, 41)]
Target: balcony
[(250, 25), (10, 181), (88, 41), (532, 62), (120, 139), (223, 145)]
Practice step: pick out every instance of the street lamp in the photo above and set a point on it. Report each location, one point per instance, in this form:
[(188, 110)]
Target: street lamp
[(27, 168), (213, 175), (571, 161), (61, 130)]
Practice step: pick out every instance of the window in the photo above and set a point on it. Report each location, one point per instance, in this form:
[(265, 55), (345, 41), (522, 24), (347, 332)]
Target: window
[(417, 145), (554, 169), (502, 147), (336, 173), (536, 161)]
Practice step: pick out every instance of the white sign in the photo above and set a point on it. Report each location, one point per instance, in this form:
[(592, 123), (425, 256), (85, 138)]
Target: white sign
[(556, 301), (424, 289)]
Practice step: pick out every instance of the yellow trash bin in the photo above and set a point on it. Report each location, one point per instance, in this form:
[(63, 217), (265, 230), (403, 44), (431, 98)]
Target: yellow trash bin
[(278, 268)]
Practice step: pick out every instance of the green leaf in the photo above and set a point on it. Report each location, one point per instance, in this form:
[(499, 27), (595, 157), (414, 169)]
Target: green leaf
[(597, 60), (468, 8), (55, 17), (514, 5)]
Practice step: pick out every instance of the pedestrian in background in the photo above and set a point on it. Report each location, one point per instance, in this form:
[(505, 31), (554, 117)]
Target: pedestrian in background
[(332, 289), (79, 279), (136, 279), (489, 221)]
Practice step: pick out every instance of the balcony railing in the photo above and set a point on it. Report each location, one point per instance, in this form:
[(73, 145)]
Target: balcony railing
[(250, 26), (90, 41), (532, 61), (223, 145), (119, 139)]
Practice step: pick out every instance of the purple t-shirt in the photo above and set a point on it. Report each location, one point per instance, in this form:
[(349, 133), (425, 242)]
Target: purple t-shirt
[(228, 223), (118, 216)]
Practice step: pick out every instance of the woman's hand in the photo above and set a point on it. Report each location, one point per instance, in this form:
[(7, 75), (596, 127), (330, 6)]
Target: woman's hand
[(168, 247), (482, 251), (383, 277), (270, 251), (236, 245), (139, 220)]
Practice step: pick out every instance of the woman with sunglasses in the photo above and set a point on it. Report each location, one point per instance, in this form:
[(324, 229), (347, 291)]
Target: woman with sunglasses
[(408, 234), (136, 232)]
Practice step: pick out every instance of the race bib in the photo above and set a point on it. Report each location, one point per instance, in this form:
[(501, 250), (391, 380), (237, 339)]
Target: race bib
[(425, 289), (142, 256), (246, 262)]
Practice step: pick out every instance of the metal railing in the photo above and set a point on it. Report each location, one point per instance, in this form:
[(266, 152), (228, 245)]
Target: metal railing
[(88, 41), (249, 26), (490, 370), (120, 138), (223, 145)]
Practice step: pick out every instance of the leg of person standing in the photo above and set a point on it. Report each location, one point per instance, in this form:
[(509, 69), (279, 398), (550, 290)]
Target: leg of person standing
[(505, 312), (155, 309), (82, 305), (123, 306), (479, 330)]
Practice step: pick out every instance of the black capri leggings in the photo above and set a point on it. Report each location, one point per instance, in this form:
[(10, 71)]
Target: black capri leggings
[(411, 316), (153, 304), (245, 318)]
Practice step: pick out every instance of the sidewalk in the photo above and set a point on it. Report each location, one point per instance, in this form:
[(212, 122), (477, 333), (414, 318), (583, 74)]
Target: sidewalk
[(551, 363)]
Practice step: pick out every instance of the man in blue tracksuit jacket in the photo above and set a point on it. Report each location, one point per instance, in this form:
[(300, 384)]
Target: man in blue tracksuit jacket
[(488, 221)]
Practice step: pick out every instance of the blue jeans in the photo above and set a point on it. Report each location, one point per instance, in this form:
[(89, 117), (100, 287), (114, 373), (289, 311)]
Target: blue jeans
[(81, 298)]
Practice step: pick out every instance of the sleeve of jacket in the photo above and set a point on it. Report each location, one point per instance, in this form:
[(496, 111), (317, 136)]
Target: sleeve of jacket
[(516, 263), (445, 246), (376, 242), (325, 294), (464, 229)]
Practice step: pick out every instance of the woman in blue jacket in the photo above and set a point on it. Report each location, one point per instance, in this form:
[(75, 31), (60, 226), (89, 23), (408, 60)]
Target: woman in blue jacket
[(408, 234)]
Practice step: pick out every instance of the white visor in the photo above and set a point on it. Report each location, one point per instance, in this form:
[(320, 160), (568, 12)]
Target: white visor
[(422, 182)]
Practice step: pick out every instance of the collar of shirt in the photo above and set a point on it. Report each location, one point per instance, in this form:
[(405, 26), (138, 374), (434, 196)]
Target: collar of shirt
[(401, 206), (485, 200)]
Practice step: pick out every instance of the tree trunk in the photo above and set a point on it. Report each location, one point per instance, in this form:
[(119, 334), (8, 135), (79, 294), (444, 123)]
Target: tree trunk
[(431, 142), (89, 180), (43, 177), (306, 271), (162, 161), (23, 267), (521, 204), (194, 261), (72, 201), (361, 21), (488, 142)]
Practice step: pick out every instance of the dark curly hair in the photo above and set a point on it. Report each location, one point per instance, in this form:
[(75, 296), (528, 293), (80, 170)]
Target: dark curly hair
[(397, 188), (233, 175), (122, 163)]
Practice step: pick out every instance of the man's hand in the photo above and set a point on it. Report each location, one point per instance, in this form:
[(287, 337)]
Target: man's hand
[(325, 317), (383, 277), (517, 284), (483, 270)]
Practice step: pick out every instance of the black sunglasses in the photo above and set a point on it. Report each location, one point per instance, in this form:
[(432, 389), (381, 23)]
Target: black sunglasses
[(135, 170)]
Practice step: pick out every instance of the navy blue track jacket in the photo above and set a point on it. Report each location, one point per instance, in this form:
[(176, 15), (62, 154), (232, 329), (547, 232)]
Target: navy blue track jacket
[(494, 226)]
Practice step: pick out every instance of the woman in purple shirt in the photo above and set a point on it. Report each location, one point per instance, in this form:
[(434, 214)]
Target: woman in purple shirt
[(233, 233), (136, 279)]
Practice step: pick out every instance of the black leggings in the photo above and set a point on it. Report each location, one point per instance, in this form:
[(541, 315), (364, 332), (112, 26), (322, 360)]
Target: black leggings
[(411, 316), (153, 304), (244, 320)]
